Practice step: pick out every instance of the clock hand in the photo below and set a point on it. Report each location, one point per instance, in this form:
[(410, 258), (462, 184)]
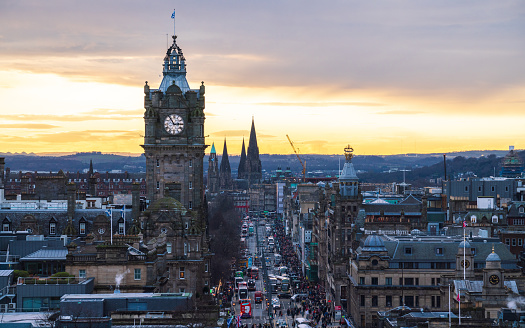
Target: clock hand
[(171, 119)]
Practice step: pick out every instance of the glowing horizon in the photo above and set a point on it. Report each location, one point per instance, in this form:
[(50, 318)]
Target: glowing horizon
[(386, 79)]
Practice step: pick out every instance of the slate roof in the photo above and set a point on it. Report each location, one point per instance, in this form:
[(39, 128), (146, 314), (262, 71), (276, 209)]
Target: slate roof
[(46, 254), (476, 286), (424, 250)]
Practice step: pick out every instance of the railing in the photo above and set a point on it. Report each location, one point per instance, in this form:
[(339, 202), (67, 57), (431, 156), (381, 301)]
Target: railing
[(49, 280), (84, 258)]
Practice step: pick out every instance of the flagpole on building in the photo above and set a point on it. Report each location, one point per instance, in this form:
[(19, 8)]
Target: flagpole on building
[(449, 315), (459, 302), (111, 223), (464, 250), (173, 16)]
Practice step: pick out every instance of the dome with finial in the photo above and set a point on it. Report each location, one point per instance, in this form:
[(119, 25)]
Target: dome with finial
[(174, 69), (465, 244), (374, 243), (493, 257)]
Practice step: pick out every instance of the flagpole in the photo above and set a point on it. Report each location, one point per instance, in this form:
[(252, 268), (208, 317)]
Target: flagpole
[(111, 223), (173, 22), (459, 302), (449, 315), (464, 250)]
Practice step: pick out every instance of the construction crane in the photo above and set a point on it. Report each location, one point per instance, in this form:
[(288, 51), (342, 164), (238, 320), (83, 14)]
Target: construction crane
[(303, 164)]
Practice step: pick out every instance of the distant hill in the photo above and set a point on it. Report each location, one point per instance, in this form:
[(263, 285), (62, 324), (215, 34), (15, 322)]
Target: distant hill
[(370, 168)]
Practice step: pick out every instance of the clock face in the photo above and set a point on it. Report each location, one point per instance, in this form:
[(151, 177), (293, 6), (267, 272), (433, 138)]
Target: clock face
[(101, 231), (465, 263), (493, 279), (173, 124)]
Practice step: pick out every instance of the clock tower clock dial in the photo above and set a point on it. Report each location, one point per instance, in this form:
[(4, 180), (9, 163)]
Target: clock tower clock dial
[(173, 124), (494, 279)]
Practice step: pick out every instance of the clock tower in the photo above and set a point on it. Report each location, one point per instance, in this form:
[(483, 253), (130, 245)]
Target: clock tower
[(174, 135)]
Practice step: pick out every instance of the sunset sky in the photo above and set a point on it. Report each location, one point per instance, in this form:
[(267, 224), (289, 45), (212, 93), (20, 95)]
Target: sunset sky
[(387, 77)]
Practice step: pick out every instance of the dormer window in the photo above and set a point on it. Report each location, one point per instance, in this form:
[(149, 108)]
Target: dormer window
[(473, 219), (52, 227), (408, 250), (521, 210), (82, 226)]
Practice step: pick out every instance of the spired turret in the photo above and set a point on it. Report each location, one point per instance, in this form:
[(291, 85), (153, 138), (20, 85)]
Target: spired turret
[(348, 180), (174, 69)]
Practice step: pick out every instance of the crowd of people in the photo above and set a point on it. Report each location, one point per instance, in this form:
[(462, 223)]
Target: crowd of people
[(314, 307)]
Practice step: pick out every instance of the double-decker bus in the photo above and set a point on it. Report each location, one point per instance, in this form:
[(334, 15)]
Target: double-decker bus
[(253, 272), (243, 292), (246, 308)]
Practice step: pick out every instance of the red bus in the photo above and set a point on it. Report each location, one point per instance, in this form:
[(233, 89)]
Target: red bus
[(253, 272), (246, 308)]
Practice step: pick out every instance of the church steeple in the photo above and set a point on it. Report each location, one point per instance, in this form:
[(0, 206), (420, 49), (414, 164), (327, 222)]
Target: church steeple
[(253, 163), (213, 171), (241, 172), (225, 172)]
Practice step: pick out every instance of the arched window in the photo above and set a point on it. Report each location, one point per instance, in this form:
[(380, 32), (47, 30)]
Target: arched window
[(169, 248), (6, 224), (121, 226), (53, 226), (82, 226)]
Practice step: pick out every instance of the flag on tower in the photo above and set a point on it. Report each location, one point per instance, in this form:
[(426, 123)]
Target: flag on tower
[(108, 212), (173, 15), (458, 298), (464, 224)]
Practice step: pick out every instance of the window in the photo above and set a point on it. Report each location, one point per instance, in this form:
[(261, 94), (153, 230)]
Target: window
[(438, 281), (190, 163), (507, 188), (388, 302), (492, 188), (466, 188), (82, 228), (362, 300), (479, 188), (82, 273), (190, 204), (408, 250), (182, 290), (439, 251), (417, 300), (168, 248), (513, 241), (375, 262), (494, 219), (507, 241), (375, 281), (137, 274), (190, 185), (206, 267), (473, 219), (520, 242), (374, 300), (52, 228), (181, 273), (522, 210), (158, 163), (158, 185), (121, 227), (185, 249), (388, 281), (361, 280), (409, 281), (5, 227)]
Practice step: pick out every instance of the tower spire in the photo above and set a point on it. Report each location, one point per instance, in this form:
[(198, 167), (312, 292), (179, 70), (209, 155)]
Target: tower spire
[(253, 162)]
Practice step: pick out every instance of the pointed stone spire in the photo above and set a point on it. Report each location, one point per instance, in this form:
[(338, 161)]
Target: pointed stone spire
[(225, 172), (213, 171), (90, 168), (241, 172), (253, 163)]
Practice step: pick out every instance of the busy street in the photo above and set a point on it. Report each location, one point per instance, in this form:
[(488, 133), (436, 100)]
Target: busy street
[(267, 288)]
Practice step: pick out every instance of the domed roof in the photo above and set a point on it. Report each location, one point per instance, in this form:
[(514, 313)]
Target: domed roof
[(464, 244), (167, 204), (493, 257), (374, 243), (174, 89)]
